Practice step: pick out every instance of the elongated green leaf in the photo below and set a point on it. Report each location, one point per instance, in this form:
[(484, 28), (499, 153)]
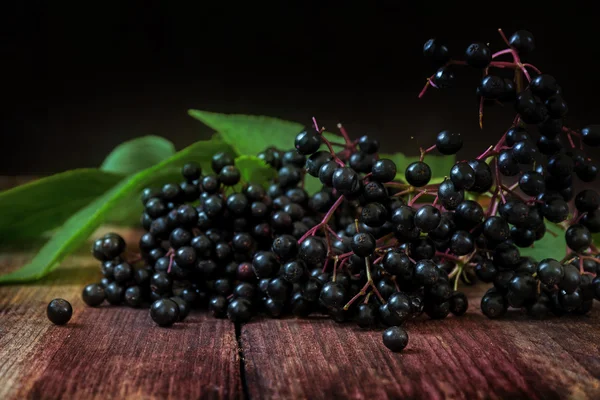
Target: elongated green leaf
[(251, 134), (34, 208), (82, 224), (138, 154), (254, 170), (552, 245), (440, 165)]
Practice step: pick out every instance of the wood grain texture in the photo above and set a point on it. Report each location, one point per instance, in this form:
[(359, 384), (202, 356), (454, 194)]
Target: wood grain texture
[(464, 357), (107, 352)]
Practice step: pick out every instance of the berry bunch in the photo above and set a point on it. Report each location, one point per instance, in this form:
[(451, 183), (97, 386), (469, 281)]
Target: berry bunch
[(368, 246)]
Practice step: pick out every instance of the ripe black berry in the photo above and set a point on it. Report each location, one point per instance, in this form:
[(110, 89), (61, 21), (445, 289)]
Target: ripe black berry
[(522, 41), (462, 243), (449, 195), (316, 161), (462, 175), (93, 295), (578, 238), (459, 303), (395, 338), (532, 183), (493, 304), (426, 272), (550, 272), (483, 176), (443, 78), (59, 311), (221, 160), (448, 143), (307, 142), (191, 171), (133, 296), (418, 174), (427, 218), (478, 55), (363, 244), (383, 171), (333, 296), (345, 180), (374, 215), (492, 87), (496, 229), (229, 175), (164, 312), (436, 52), (543, 86)]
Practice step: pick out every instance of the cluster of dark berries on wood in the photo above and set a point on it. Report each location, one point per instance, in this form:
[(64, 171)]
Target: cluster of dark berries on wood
[(375, 245), (530, 174)]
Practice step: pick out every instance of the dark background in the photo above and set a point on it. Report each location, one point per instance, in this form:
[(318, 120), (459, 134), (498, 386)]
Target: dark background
[(84, 76)]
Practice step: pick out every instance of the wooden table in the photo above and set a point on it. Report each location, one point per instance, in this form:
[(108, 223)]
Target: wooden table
[(118, 352)]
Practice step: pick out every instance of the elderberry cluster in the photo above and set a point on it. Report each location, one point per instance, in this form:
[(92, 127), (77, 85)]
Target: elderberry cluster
[(375, 244)]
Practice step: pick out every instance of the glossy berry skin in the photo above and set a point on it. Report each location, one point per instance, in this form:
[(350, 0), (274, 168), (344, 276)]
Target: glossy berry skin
[(448, 143), (578, 238), (522, 41), (374, 215), (59, 311), (345, 180), (544, 86), (427, 218), (492, 87), (164, 312), (191, 171), (383, 170), (483, 176), (229, 175), (220, 160), (333, 296), (93, 295), (591, 135), (507, 164), (449, 196), (493, 304), (133, 296), (184, 308), (496, 229), (363, 244), (418, 174), (462, 243), (313, 252), (478, 55), (443, 78), (550, 272), (285, 247), (395, 338), (307, 142), (532, 183), (436, 52), (459, 304), (462, 175), (366, 315), (316, 161), (426, 273)]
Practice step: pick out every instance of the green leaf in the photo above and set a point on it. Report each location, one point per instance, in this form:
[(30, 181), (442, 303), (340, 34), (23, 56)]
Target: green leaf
[(44, 204), (596, 239), (254, 170), (137, 154), (312, 185), (251, 134), (440, 165), (82, 224), (552, 245)]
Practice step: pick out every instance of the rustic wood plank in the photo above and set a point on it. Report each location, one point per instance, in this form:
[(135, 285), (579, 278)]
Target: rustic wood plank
[(460, 357), (107, 352)]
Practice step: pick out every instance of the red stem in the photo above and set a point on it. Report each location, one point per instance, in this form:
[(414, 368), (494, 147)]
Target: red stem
[(325, 220)]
